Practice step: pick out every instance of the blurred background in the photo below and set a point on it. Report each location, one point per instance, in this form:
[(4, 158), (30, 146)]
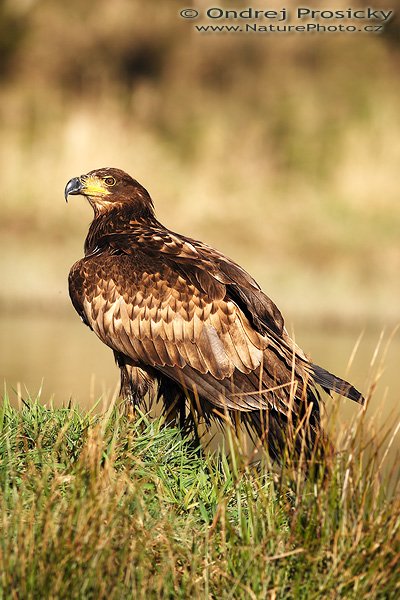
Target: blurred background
[(283, 151)]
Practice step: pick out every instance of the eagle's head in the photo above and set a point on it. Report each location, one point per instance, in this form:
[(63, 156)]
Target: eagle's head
[(110, 188)]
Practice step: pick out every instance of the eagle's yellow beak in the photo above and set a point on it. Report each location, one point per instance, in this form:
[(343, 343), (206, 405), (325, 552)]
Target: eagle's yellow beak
[(87, 185)]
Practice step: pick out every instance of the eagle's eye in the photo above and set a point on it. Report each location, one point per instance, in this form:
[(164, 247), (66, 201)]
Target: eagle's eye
[(109, 180)]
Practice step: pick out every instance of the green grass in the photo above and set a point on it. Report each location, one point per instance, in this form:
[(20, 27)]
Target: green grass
[(102, 507)]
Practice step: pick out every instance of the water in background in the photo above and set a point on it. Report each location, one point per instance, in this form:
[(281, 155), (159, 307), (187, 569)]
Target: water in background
[(65, 359)]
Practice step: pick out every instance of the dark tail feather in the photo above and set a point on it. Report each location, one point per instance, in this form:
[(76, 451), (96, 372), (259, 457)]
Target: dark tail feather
[(332, 383)]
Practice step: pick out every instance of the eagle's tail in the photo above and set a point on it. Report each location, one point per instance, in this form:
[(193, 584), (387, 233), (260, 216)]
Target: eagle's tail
[(333, 383)]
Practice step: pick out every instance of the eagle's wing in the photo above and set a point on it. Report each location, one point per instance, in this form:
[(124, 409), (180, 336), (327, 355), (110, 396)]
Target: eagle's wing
[(160, 319), (166, 303), (208, 269), (222, 279)]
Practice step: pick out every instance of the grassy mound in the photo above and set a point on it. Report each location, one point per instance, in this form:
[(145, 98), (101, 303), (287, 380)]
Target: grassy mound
[(101, 507)]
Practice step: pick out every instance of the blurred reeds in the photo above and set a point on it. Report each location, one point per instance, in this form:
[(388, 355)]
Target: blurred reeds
[(281, 151)]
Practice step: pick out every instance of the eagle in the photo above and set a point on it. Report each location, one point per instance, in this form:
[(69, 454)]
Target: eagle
[(188, 323)]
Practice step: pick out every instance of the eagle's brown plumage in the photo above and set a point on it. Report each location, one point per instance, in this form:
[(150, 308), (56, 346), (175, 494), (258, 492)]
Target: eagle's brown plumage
[(180, 313)]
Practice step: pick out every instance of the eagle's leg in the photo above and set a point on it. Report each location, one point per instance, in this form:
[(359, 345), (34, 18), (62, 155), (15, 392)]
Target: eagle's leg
[(136, 383), (174, 402), (179, 409)]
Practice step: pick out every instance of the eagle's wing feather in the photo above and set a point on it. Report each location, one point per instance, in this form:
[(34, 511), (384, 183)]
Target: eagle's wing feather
[(205, 267), (164, 320), (161, 320)]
